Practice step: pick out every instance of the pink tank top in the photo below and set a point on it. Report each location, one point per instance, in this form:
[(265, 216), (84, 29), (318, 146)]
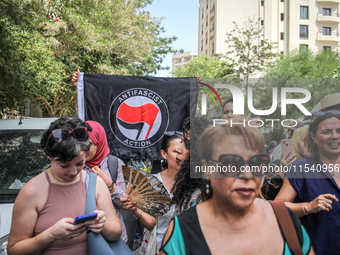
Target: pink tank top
[(63, 201)]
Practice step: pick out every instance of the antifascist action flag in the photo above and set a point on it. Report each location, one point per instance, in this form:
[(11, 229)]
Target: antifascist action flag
[(136, 111)]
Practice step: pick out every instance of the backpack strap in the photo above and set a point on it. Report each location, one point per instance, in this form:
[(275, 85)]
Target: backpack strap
[(91, 180), (112, 163), (287, 226)]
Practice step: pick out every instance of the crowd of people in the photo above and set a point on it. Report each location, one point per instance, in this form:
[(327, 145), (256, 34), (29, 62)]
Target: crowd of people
[(211, 212)]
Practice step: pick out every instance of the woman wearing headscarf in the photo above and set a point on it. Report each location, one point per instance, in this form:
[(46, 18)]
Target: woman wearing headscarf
[(97, 162)]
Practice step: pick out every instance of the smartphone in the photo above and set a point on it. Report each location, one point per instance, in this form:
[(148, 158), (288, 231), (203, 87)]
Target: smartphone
[(287, 146), (85, 217)]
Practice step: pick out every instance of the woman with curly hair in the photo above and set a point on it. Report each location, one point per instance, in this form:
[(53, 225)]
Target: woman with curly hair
[(187, 188)]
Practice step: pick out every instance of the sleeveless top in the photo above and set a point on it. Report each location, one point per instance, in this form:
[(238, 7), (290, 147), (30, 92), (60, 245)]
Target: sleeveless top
[(164, 220), (187, 237), (63, 201)]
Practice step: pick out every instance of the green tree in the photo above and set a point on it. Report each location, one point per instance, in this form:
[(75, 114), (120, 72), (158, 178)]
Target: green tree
[(299, 69), (250, 51), (43, 43), (304, 64), (205, 66)]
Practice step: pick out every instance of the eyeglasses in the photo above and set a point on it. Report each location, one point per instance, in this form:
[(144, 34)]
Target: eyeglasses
[(62, 135), (233, 165), (171, 133), (321, 113)]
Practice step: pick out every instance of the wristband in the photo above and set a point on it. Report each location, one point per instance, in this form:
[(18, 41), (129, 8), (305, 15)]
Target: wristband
[(36, 239), (303, 208), (140, 216)]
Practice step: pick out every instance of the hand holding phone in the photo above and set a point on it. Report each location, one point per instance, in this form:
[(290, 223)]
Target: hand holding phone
[(84, 218), (287, 147)]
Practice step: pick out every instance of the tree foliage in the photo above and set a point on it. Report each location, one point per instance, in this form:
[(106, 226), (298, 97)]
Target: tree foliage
[(304, 64), (44, 42), (300, 69), (250, 51), (206, 67)]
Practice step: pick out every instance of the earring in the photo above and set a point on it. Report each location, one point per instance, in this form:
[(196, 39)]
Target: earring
[(48, 160), (207, 191)]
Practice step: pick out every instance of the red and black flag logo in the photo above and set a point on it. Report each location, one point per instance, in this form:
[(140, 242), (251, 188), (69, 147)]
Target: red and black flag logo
[(136, 111), (139, 117)]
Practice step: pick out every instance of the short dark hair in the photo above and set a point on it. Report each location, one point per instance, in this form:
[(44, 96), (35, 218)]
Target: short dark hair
[(167, 139), (229, 100), (68, 150), (255, 116)]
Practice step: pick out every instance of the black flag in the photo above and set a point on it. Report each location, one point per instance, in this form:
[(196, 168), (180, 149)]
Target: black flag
[(136, 111)]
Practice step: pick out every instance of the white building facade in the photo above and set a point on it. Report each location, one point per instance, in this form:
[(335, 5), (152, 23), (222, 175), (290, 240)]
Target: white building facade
[(292, 24), (181, 59)]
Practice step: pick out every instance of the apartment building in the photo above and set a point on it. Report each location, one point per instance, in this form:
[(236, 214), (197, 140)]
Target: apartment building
[(181, 59), (312, 24)]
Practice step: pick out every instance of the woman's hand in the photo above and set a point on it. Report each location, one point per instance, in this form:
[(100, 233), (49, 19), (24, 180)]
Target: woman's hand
[(98, 224), (65, 230), (322, 202), (127, 203), (75, 77), (199, 80), (288, 159), (107, 179)]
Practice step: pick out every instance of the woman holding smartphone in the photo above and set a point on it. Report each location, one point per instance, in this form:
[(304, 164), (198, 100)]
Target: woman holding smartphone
[(45, 209), (311, 188)]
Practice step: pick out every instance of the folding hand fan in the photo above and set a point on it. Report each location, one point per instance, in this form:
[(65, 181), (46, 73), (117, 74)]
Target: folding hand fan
[(147, 191)]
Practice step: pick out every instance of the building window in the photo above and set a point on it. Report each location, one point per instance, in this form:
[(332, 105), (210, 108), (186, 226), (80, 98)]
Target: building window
[(262, 2), (206, 38), (282, 1), (262, 22), (212, 48), (201, 45), (326, 48), (304, 12), (282, 16), (303, 31), (303, 47), (327, 12), (202, 13), (281, 52), (206, 21), (326, 31), (206, 52), (207, 5), (282, 36), (202, 29)]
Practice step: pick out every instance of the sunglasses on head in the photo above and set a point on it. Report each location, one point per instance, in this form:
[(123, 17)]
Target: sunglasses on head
[(171, 133), (321, 113), (233, 164), (62, 135)]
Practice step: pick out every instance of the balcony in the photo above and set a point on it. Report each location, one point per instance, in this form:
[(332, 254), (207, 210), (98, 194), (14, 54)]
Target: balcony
[(212, 13), (329, 1), (212, 33), (333, 18), (333, 37)]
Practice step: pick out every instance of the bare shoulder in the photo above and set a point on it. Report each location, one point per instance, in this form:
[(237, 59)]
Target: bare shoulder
[(264, 204), (35, 186), (35, 191)]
